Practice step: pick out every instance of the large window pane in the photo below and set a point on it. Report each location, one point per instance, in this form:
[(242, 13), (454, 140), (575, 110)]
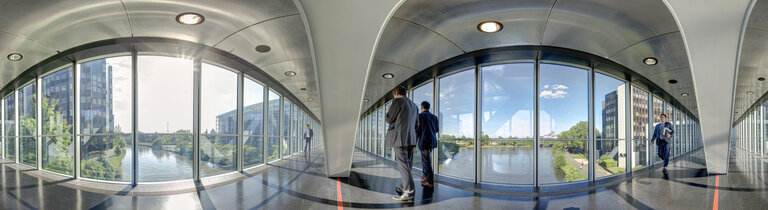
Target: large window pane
[(658, 109), (610, 125), (273, 145), (105, 97), (639, 128), (286, 128), (507, 123), (563, 122), (10, 126), (253, 123), (58, 105), (165, 118), (27, 125), (420, 94), (218, 120), (457, 122)]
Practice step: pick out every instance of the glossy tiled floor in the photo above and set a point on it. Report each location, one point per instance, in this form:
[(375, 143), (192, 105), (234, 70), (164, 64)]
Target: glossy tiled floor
[(301, 183)]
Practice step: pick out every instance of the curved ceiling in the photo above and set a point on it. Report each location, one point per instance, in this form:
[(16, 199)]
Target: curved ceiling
[(423, 33), (39, 29), (753, 61)]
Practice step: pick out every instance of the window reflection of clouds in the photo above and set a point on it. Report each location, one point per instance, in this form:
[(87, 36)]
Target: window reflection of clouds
[(561, 111)]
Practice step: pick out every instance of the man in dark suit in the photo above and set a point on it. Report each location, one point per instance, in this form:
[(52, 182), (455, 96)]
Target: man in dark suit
[(426, 131), (308, 134), (401, 135), (662, 134)]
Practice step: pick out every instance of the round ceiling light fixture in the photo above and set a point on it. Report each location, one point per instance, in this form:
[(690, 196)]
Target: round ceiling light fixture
[(650, 61), (490, 26), (388, 76), (190, 18), (365, 100), (263, 48), (761, 79), (684, 94), (310, 99), (750, 92), (673, 81), (15, 57), (290, 73)]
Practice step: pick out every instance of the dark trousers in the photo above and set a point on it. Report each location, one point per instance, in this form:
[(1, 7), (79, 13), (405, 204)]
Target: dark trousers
[(426, 165), (663, 149), (306, 144), (404, 159)]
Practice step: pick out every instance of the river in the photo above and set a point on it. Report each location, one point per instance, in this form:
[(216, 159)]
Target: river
[(511, 165), (159, 165)]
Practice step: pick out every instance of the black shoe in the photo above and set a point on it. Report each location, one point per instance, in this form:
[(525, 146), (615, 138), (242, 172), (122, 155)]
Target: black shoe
[(664, 170), (399, 191), (405, 197)]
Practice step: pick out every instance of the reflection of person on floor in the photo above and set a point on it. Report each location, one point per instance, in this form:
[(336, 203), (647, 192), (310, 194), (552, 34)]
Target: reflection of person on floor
[(662, 134), (308, 134), (401, 136), (426, 131)]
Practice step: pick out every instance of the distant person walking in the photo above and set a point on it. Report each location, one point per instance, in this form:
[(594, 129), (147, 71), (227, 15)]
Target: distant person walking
[(426, 131), (662, 135), (308, 134), (401, 135)]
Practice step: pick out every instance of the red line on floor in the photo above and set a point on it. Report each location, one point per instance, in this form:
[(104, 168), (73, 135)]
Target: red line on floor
[(338, 192), (717, 183)]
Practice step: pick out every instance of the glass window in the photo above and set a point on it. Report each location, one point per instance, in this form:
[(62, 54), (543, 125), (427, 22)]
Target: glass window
[(658, 109), (457, 125), (563, 123), (286, 128), (507, 123), (273, 146), (10, 126), (165, 87), (58, 99), (610, 125), (422, 93), (639, 128), (218, 120), (253, 123), (27, 125)]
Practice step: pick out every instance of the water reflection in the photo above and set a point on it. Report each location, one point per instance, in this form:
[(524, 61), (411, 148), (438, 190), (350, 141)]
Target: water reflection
[(503, 165), (160, 165)]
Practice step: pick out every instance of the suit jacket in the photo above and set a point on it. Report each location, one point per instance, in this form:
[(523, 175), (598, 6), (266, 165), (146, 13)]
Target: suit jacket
[(657, 133), (402, 123), (311, 134), (426, 130)]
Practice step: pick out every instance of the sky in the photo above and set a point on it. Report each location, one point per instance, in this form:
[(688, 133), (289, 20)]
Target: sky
[(508, 99)]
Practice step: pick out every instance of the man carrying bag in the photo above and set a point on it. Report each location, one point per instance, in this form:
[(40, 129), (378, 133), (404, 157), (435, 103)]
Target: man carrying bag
[(662, 134)]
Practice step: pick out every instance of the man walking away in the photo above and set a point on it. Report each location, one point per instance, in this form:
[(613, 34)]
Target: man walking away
[(662, 134), (401, 135), (426, 131), (308, 134)]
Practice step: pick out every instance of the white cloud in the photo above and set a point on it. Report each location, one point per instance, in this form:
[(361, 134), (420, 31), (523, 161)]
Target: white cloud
[(549, 94), (546, 86), (559, 87)]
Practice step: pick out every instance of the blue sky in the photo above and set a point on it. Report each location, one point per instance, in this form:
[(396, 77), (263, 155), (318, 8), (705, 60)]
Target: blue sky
[(508, 99)]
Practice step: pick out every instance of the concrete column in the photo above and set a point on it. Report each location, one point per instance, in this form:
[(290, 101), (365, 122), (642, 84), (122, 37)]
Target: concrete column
[(343, 38), (713, 32)]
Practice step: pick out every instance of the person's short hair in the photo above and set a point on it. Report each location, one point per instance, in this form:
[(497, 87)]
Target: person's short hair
[(400, 90), (307, 124), (425, 105), (665, 116)]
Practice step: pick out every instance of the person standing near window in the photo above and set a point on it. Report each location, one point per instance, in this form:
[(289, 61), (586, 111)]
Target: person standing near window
[(426, 131), (308, 134), (401, 135), (662, 134)]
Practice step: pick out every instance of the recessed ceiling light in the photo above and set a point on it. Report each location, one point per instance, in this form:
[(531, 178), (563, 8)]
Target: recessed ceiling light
[(761, 79), (310, 99), (303, 89), (684, 94), (290, 73), (15, 57), (388, 76), (651, 61), (672, 81), (365, 100), (490, 26), (263, 48), (750, 92), (190, 18)]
